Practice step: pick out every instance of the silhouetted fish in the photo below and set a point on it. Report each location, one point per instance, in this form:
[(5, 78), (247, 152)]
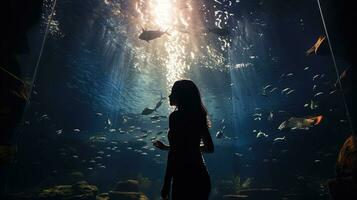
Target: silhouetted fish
[(219, 31), (147, 111), (158, 104), (151, 35)]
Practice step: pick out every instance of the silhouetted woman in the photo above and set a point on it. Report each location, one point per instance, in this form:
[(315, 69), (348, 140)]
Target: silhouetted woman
[(188, 126)]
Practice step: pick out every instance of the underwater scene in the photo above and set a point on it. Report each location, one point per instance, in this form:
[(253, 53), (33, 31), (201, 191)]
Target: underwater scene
[(97, 78)]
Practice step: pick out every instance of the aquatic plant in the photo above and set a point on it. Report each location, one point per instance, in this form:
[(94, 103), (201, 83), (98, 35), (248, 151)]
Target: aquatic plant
[(239, 184), (144, 182)]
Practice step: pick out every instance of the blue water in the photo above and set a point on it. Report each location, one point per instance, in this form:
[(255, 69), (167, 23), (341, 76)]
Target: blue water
[(95, 77)]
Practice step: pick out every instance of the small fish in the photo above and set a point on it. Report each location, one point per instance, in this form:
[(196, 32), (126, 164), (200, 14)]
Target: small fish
[(306, 68), (143, 136), (155, 117), (261, 134), (332, 91), (315, 47), (159, 133), (257, 118), (267, 86), (313, 105), (219, 134), (272, 90), (279, 139), (284, 90), (264, 93), (148, 35), (318, 94), (270, 116), (343, 77), (315, 77), (289, 92), (290, 74)]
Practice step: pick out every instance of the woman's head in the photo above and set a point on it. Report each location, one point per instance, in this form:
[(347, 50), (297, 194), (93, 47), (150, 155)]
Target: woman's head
[(186, 97)]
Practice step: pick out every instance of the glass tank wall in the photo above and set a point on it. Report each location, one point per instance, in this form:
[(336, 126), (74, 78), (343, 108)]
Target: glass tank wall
[(101, 82)]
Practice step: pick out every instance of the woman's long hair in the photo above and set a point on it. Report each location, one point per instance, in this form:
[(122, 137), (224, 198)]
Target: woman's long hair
[(347, 158), (188, 99)]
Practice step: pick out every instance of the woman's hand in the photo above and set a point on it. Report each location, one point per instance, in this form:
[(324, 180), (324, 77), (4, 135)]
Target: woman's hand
[(160, 145)]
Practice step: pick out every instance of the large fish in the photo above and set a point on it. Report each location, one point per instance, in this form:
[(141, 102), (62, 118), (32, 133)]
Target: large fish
[(300, 123), (147, 111), (158, 104), (219, 31), (151, 35)]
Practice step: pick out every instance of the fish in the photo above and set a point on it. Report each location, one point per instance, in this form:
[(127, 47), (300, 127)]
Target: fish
[(284, 90), (272, 90), (148, 35), (318, 94), (147, 111), (279, 139), (314, 87), (158, 104), (270, 116), (289, 92), (159, 133), (302, 123), (315, 77), (219, 134), (219, 31), (316, 46), (257, 114), (313, 105), (268, 86), (155, 117), (261, 134), (342, 77), (264, 93)]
